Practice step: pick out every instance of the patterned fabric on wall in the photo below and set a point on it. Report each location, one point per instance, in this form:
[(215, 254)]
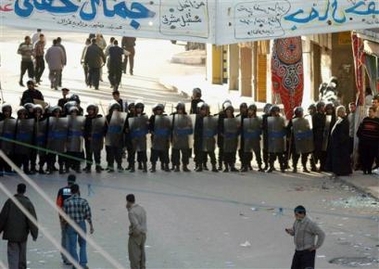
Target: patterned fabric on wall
[(287, 72), (359, 59)]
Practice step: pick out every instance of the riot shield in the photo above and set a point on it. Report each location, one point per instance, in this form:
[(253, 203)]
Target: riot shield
[(252, 130), (276, 134), (57, 134), (75, 133), (303, 135), (115, 131), (326, 132), (209, 133), (40, 135), (138, 128), (161, 135), (24, 136), (8, 135), (97, 133), (182, 132), (231, 134)]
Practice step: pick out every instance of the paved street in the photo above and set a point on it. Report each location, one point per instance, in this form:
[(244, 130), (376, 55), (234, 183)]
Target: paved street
[(195, 220)]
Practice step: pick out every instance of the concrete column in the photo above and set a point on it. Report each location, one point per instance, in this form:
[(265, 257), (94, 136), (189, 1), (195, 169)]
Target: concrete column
[(214, 64), (233, 67), (308, 75), (246, 71)]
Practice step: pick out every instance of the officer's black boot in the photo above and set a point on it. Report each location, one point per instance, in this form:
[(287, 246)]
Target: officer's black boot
[(244, 168), (153, 168), (185, 168), (176, 168), (214, 168), (132, 168), (199, 168), (166, 168), (144, 167), (226, 168), (61, 170)]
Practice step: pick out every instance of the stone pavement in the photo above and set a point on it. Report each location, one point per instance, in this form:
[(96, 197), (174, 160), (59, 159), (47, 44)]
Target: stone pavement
[(216, 94)]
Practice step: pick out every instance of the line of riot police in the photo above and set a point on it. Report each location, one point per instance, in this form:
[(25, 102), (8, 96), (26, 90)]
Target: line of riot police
[(73, 138)]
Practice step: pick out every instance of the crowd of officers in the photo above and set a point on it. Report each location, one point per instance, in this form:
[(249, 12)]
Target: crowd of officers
[(65, 135)]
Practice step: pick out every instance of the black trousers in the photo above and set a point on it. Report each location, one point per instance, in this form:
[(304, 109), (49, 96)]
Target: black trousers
[(211, 155), (141, 156), (282, 159), (229, 158), (73, 159), (304, 259), (51, 159), (114, 153), (94, 77), (27, 65), (295, 159), (175, 156), (22, 160), (114, 76), (90, 152), (367, 154), (42, 158), (161, 154), (40, 67)]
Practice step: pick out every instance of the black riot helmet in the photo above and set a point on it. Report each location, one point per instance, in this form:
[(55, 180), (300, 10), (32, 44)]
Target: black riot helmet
[(114, 105), (94, 107), (298, 112)]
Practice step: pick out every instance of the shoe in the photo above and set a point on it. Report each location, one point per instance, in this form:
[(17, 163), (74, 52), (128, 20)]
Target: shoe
[(98, 170), (185, 168), (305, 170), (176, 168), (199, 169), (244, 169), (270, 170), (120, 169), (21, 84), (110, 170), (40, 171), (205, 167), (131, 72), (294, 170), (87, 169), (233, 169), (167, 169), (67, 263), (226, 170)]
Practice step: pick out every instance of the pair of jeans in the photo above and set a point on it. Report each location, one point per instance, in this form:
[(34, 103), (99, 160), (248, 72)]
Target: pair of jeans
[(73, 239), (17, 255), (64, 240)]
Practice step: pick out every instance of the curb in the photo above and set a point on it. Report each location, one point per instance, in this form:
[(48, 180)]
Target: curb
[(361, 189)]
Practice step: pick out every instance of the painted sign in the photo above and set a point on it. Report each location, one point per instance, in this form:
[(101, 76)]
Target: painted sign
[(211, 21)]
